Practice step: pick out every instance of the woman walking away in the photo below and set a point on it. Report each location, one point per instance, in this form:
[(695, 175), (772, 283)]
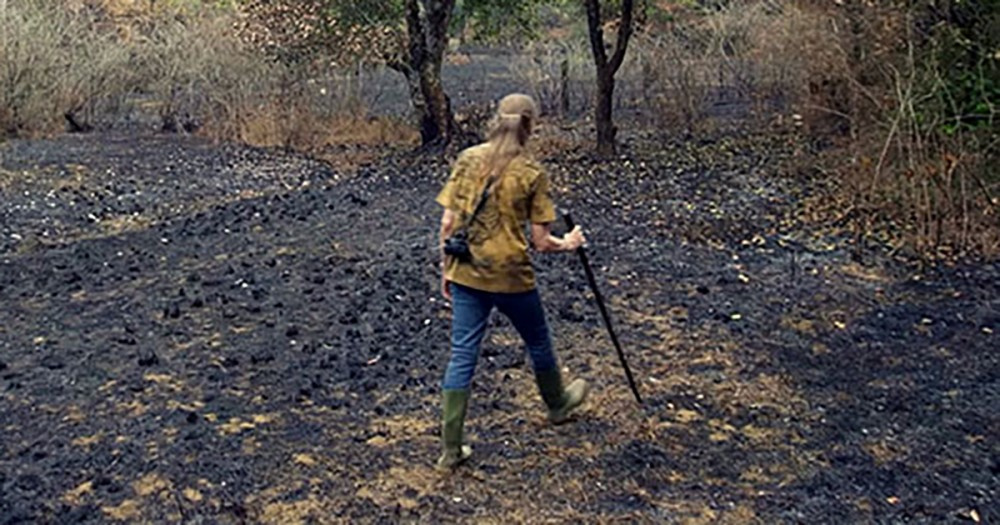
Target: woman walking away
[(494, 189)]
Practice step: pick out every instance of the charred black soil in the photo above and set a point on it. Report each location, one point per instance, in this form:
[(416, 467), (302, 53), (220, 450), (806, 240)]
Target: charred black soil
[(200, 333)]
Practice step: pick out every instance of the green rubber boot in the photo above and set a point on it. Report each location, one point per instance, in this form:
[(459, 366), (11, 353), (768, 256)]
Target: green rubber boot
[(453, 450), (561, 402)]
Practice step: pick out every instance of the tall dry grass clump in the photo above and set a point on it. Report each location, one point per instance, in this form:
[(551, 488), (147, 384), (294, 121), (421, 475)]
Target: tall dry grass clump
[(58, 66), (95, 64), (559, 73), (197, 73), (743, 64)]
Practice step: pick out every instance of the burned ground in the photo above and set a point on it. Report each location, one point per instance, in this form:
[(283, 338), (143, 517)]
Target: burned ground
[(203, 333)]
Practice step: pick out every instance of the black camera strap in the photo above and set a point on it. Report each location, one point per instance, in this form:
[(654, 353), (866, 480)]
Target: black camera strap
[(480, 205)]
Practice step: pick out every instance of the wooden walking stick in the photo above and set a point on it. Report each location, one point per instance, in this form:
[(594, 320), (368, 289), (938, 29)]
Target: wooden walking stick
[(604, 311)]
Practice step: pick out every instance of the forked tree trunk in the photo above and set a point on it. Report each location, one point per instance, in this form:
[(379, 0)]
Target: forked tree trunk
[(606, 70), (427, 29)]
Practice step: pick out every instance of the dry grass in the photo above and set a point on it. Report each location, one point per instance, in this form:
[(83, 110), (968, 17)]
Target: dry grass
[(187, 63), (767, 58), (851, 78), (376, 131), (553, 140), (57, 65), (558, 72), (898, 178), (274, 124), (772, 59), (894, 177), (934, 201)]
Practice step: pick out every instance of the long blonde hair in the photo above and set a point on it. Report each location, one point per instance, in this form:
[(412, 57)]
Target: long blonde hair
[(508, 133)]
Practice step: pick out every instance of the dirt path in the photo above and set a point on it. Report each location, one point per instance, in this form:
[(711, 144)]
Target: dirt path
[(202, 334)]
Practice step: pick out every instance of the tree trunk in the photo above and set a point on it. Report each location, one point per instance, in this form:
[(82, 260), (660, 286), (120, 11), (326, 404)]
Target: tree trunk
[(564, 105), (419, 107), (427, 30), (606, 70), (606, 131), (437, 123)]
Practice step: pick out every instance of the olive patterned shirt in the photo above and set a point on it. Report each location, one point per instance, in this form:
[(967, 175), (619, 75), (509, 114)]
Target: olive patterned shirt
[(497, 239)]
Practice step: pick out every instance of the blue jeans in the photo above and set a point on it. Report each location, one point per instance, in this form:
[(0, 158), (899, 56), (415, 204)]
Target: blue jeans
[(471, 312)]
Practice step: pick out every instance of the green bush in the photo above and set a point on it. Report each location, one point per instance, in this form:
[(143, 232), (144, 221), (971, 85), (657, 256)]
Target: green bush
[(963, 63), (926, 94)]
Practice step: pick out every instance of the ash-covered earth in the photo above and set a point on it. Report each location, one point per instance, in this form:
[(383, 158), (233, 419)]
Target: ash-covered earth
[(216, 334)]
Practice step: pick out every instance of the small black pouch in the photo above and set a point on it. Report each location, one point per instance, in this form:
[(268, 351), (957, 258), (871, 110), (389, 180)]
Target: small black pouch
[(457, 246)]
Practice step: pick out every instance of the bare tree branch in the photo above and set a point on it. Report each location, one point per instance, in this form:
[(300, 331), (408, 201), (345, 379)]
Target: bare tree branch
[(438, 17), (624, 33), (416, 45), (596, 33)]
